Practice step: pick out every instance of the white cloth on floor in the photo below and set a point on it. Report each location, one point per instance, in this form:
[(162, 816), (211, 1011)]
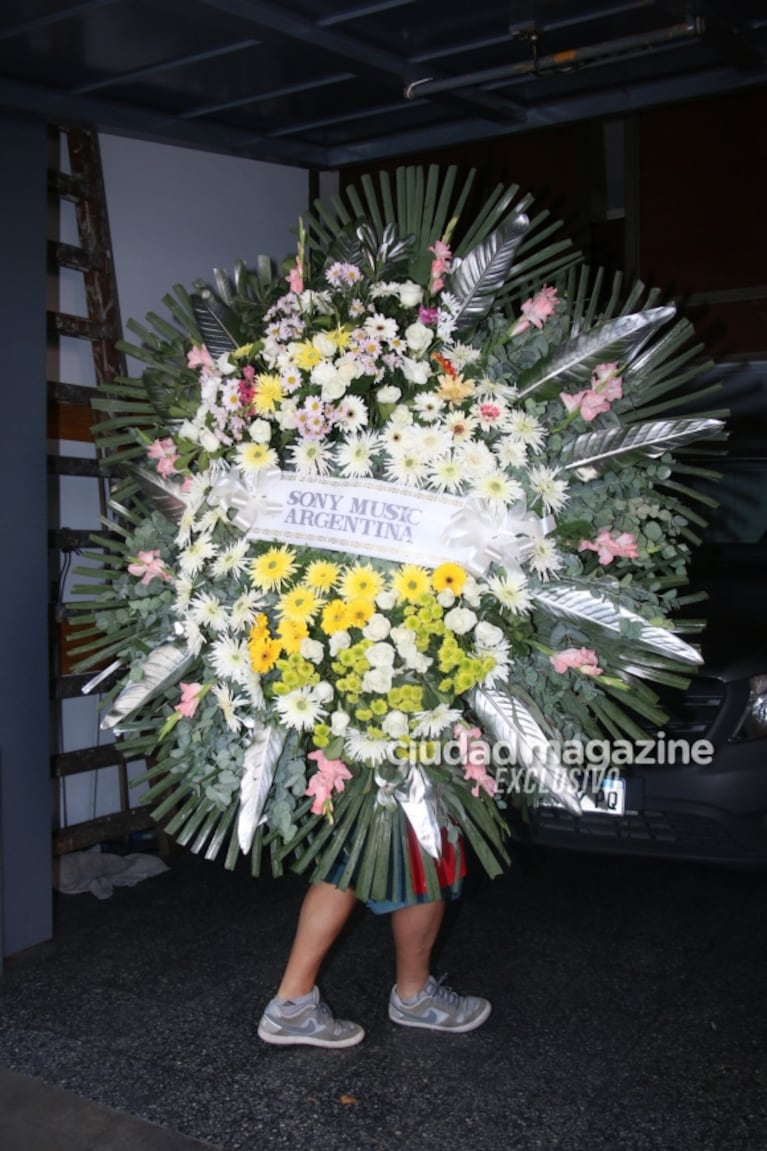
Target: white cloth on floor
[(99, 872)]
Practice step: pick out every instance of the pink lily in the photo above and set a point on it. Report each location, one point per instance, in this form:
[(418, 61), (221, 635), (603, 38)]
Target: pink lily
[(578, 658), (608, 547)]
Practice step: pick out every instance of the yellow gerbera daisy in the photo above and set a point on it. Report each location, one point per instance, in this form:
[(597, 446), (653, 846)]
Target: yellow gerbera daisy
[(334, 617), (267, 395), (359, 611), (321, 575), (254, 457), (448, 577), (410, 582), (361, 582), (300, 603), (292, 632), (272, 568)]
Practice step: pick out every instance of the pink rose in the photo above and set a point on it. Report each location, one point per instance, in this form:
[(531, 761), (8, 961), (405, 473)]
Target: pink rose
[(582, 659)]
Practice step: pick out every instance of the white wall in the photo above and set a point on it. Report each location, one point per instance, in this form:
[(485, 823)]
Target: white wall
[(174, 215)]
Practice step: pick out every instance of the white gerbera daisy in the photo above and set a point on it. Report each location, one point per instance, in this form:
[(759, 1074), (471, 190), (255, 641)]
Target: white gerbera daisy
[(310, 458), (552, 491), (355, 456), (526, 428), (352, 414), (184, 589), (231, 560), (511, 453), (430, 724), (498, 488), (208, 611), (230, 659), (511, 592), (382, 327), (476, 458), (361, 748), (407, 466), (434, 442), (244, 610), (299, 709), (447, 474), (229, 704), (428, 405)]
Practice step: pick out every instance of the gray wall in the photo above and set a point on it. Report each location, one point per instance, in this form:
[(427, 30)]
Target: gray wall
[(25, 828)]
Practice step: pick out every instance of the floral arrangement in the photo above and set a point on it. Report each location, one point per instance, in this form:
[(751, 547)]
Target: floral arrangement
[(416, 491)]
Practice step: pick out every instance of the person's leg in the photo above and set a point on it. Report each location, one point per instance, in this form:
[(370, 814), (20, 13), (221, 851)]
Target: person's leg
[(415, 930), (324, 913)]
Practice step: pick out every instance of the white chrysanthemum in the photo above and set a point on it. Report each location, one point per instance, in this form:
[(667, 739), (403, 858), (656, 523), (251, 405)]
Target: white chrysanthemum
[(359, 747), (552, 491), (192, 559), (511, 592), (231, 560), (355, 456), (447, 474), (428, 405), (511, 453), (526, 428), (230, 659), (193, 636), (461, 355), (184, 589), (299, 709), (229, 704), (476, 458), (430, 724), (498, 488), (245, 609), (407, 466), (208, 611), (209, 521), (545, 560), (252, 458), (311, 458)]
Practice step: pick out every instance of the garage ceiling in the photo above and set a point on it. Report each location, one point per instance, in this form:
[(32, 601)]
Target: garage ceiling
[(324, 83)]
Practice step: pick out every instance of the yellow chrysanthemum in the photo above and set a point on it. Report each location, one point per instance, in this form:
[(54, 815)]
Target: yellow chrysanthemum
[(244, 352), (253, 457), (272, 568), (334, 617), (264, 653), (410, 582), (267, 395), (292, 633), (306, 355), (340, 337), (321, 575), (359, 611), (361, 582), (448, 577), (300, 603)]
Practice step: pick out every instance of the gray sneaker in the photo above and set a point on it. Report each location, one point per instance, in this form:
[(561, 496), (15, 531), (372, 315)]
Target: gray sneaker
[(311, 1023), (437, 1008)]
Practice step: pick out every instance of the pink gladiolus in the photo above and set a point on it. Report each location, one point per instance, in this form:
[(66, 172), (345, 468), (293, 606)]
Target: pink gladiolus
[(199, 358), (331, 775), (606, 387), (295, 280), (149, 566), (473, 751), (608, 547), (579, 658), (536, 310), (439, 265), (164, 451), (190, 693)]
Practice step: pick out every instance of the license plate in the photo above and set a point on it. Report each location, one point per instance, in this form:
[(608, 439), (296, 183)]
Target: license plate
[(609, 799)]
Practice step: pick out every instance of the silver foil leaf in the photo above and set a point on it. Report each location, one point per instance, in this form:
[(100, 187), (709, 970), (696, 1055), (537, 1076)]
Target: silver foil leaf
[(258, 766), (578, 605), (510, 721), (417, 798), (651, 438), (162, 668), (571, 364), (216, 323), (163, 493), (477, 279)]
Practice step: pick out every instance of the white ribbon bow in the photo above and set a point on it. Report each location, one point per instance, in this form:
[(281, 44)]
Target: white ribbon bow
[(496, 534), (252, 500)]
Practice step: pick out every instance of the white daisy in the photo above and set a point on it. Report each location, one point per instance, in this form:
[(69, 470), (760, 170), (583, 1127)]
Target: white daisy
[(498, 488), (552, 491), (361, 748), (407, 466), (244, 610), (428, 405), (299, 709), (229, 704), (447, 474), (510, 590), (230, 659), (526, 428), (310, 458), (352, 414), (511, 453), (208, 611)]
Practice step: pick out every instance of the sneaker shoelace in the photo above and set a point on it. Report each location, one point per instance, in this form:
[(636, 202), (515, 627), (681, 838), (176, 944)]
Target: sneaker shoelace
[(446, 994)]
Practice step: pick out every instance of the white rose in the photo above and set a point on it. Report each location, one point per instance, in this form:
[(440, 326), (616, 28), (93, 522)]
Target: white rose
[(418, 337), (208, 440), (312, 650), (395, 724), (378, 679), (415, 660), (324, 345), (470, 591), (460, 620), (225, 366), (377, 627), (348, 369), (323, 373), (403, 637), (388, 395), (260, 431), (410, 294), (339, 721), (446, 598), (322, 691), (415, 371), (286, 416), (338, 641), (189, 431), (488, 635), (401, 417), (386, 600), (380, 655)]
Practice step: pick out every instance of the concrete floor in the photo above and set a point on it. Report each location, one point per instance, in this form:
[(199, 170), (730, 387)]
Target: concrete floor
[(628, 1016)]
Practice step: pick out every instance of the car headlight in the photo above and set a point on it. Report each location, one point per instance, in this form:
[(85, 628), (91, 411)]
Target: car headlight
[(755, 720)]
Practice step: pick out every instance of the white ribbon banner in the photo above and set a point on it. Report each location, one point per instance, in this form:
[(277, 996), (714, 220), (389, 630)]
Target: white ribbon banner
[(375, 518)]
